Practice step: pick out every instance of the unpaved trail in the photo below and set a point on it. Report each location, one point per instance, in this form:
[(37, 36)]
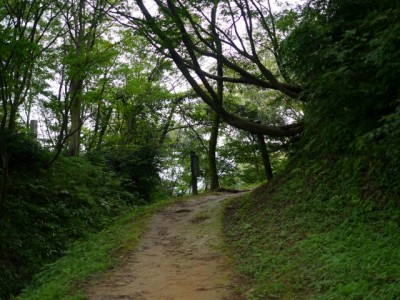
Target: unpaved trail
[(179, 258)]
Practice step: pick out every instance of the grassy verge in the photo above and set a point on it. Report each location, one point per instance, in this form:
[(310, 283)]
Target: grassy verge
[(87, 259), (288, 247)]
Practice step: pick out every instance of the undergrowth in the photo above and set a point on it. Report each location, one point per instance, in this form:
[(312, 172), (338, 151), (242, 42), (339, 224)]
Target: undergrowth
[(89, 258), (328, 226), (46, 210), (313, 234), (49, 207)]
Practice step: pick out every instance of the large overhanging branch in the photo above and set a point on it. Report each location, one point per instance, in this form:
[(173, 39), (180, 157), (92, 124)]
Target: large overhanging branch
[(251, 55), (188, 62)]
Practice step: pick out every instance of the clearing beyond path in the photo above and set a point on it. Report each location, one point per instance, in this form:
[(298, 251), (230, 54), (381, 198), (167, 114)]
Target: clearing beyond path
[(179, 258)]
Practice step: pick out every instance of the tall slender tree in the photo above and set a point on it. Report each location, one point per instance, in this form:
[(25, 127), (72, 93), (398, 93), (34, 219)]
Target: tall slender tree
[(84, 19)]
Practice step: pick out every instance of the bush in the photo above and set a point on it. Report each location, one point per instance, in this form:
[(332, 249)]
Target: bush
[(48, 209), (25, 154), (138, 168), (347, 56)]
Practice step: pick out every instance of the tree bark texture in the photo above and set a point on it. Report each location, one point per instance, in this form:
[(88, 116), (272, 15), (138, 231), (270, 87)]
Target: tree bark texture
[(76, 122), (265, 156), (212, 159)]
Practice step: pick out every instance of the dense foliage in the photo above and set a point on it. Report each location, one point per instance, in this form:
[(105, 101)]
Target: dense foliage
[(101, 108), (348, 55), (117, 124), (89, 257), (47, 209), (327, 228)]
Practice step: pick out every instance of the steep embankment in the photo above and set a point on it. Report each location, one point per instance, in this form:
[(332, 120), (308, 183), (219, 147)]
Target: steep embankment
[(305, 237)]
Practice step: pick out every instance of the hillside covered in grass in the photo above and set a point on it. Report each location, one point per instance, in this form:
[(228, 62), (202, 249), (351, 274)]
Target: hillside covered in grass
[(300, 238), (328, 226)]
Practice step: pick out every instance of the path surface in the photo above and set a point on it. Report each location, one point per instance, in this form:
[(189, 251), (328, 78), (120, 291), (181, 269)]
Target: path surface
[(179, 258)]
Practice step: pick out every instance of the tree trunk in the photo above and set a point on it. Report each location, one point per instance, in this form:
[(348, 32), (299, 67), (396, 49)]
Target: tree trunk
[(129, 133), (265, 156), (61, 139), (194, 168), (4, 175), (76, 122), (93, 137), (3, 144), (212, 147), (167, 125)]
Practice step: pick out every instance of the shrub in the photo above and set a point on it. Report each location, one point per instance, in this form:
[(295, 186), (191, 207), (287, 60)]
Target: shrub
[(50, 209)]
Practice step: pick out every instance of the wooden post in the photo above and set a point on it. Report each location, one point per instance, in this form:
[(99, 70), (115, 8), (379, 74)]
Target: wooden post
[(195, 169)]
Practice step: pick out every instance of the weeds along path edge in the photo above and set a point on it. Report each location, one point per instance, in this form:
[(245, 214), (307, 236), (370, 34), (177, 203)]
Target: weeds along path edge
[(88, 259)]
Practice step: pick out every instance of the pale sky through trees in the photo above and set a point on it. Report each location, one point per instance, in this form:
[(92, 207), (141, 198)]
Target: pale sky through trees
[(170, 83)]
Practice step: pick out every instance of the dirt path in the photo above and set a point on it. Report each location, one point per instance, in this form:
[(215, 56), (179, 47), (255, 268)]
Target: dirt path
[(179, 258)]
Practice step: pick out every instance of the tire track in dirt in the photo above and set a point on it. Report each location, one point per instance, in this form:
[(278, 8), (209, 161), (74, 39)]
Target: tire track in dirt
[(179, 258)]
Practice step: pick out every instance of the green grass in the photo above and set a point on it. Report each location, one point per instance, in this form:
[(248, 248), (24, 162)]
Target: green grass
[(89, 258), (286, 246)]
